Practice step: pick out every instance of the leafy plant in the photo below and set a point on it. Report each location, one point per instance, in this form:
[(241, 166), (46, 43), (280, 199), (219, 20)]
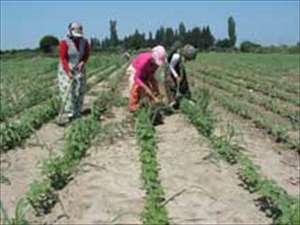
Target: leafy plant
[(58, 171), (225, 149), (199, 112), (249, 175), (13, 133), (41, 197)]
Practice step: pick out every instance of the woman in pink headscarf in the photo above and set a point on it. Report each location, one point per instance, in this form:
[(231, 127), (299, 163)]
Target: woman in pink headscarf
[(142, 80)]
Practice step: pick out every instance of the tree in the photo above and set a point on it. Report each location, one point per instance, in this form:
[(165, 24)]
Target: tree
[(181, 32), (195, 38), (105, 44), (150, 41), (208, 38), (48, 43), (231, 31), (114, 41), (225, 43), (169, 37), (95, 44), (159, 36), (248, 46)]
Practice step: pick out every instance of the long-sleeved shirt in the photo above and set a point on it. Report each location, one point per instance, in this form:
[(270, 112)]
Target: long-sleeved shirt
[(63, 53), (175, 59), (144, 67)]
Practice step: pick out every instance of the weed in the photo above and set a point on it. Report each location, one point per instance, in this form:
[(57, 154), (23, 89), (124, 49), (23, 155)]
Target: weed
[(19, 215)]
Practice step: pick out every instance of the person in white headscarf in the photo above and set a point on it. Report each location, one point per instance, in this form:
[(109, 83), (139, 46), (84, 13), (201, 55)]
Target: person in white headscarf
[(74, 52)]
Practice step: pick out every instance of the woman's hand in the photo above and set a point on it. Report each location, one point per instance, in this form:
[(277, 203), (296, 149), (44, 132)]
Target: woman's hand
[(70, 75), (178, 79), (80, 66)]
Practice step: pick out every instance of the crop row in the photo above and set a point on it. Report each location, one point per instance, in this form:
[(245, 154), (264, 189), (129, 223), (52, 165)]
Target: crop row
[(268, 103), (36, 91), (57, 170), (273, 200), (252, 72), (154, 211), (255, 85), (277, 69), (278, 131), (15, 132)]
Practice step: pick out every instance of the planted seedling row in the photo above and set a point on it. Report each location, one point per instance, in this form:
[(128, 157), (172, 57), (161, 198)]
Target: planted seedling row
[(14, 133), (154, 211), (273, 200), (268, 104)]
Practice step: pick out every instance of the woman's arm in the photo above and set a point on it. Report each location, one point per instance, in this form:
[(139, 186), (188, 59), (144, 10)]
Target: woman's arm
[(138, 79), (85, 56), (64, 58), (173, 63)]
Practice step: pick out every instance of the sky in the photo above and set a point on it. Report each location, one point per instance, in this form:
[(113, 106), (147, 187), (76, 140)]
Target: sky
[(23, 23)]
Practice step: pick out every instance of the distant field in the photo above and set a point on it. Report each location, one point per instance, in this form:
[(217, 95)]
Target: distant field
[(262, 88)]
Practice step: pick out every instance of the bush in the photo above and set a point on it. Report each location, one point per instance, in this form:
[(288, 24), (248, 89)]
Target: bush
[(48, 42), (248, 46), (225, 43)]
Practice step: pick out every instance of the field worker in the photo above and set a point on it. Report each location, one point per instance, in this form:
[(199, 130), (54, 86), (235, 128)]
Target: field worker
[(176, 83), (142, 82), (74, 52)]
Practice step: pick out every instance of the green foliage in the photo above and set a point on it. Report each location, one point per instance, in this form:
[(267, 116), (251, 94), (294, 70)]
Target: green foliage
[(199, 113), (248, 46), (249, 175), (279, 132), (225, 149), (224, 43), (154, 212), (79, 137), (231, 31), (113, 33), (4, 180), (41, 197), (19, 215), (13, 133), (274, 201), (58, 171), (48, 42)]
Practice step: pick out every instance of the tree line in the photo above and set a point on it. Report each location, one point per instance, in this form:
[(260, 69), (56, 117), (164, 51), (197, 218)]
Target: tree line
[(201, 38)]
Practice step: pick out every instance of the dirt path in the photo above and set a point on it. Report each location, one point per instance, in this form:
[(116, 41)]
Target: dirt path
[(210, 188), (22, 164), (279, 164)]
